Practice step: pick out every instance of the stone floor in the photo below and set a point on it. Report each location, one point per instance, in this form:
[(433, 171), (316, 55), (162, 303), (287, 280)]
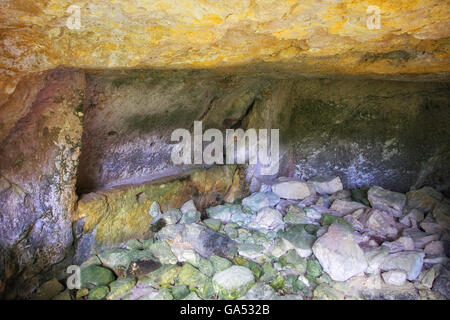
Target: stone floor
[(292, 240)]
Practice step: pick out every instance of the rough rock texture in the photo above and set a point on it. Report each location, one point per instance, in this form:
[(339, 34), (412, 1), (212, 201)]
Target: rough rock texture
[(409, 261), (291, 189), (235, 260), (382, 223), (233, 283), (122, 213), (296, 237), (311, 36), (391, 202), (324, 185), (39, 149), (442, 283), (394, 277), (130, 119), (269, 218), (403, 123), (424, 199), (48, 290), (366, 132), (199, 238), (339, 254)]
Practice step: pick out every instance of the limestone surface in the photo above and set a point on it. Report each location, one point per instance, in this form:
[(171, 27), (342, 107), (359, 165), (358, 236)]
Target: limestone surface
[(339, 254), (321, 37)]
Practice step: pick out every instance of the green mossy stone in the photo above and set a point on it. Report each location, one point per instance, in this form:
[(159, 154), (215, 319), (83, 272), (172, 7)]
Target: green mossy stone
[(300, 238), (134, 244), (164, 294), (253, 266), (192, 216), (244, 237), (300, 286), (147, 243), (262, 238), (162, 251), (290, 280), (172, 216), (120, 287), (269, 272), (192, 257), (180, 292), (94, 276), (324, 278), (65, 295), (192, 296), (313, 268), (81, 293), (117, 260), (48, 290), (206, 267), (241, 218), (282, 261), (154, 210), (166, 275), (360, 195), (329, 219), (233, 282), (240, 261), (259, 200), (223, 212), (251, 251), (213, 224), (206, 292), (192, 277), (326, 292), (142, 255), (231, 230), (312, 229), (93, 260), (312, 281), (278, 283), (220, 263), (248, 211), (256, 269), (295, 215), (299, 263), (98, 293)]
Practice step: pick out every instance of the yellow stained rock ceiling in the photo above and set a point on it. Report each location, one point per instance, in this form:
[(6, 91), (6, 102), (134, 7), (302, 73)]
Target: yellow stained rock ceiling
[(308, 36)]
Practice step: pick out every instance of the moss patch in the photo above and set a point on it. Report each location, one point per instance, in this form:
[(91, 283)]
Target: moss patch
[(119, 214)]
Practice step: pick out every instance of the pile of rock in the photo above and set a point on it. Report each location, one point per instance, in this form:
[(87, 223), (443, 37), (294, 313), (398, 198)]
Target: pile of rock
[(295, 240)]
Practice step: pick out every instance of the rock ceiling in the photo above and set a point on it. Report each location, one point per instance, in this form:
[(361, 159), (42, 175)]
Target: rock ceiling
[(307, 36)]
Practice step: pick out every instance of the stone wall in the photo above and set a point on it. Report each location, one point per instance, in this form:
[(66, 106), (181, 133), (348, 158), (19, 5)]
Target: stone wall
[(39, 154), (390, 133), (368, 132)]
